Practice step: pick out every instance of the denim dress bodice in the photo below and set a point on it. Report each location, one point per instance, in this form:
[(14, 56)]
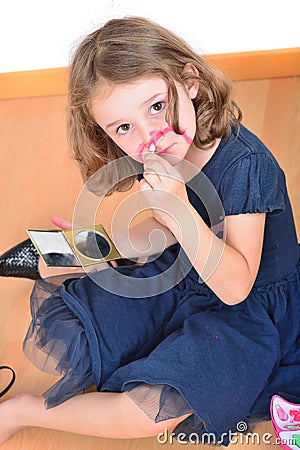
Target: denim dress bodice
[(243, 177)]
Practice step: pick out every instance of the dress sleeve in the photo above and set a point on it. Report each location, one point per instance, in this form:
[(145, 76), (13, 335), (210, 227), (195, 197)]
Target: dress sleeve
[(254, 184)]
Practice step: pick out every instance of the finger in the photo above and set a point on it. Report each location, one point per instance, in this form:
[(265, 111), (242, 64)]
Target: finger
[(114, 263), (154, 168), (60, 222), (153, 162), (161, 166), (145, 185), (151, 177)]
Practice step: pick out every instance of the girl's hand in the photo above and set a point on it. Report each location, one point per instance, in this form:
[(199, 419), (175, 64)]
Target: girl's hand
[(66, 225), (164, 189)]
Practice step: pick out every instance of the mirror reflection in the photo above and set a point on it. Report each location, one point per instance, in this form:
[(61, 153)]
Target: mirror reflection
[(54, 248), (92, 244)]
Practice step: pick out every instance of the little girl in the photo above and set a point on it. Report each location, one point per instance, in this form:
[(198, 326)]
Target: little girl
[(217, 333)]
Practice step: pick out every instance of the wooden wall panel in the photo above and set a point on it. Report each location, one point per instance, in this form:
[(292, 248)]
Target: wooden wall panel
[(39, 176), (271, 110), (255, 65)]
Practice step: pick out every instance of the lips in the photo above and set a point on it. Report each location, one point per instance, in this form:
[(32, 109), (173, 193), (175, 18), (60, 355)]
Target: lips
[(166, 150)]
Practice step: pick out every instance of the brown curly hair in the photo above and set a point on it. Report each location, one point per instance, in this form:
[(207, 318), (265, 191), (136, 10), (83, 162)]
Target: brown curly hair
[(130, 48)]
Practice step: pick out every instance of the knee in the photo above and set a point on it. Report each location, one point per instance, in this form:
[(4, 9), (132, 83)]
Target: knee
[(156, 428), (141, 425)]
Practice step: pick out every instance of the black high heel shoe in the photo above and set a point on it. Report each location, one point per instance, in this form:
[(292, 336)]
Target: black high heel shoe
[(20, 261)]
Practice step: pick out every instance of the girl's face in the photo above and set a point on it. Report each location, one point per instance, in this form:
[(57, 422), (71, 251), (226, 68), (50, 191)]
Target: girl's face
[(134, 117)]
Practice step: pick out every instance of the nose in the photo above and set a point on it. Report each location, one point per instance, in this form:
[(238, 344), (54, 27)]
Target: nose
[(145, 135), (152, 138)]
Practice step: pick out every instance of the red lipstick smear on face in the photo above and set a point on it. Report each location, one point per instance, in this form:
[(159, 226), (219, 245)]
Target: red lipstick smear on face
[(155, 136)]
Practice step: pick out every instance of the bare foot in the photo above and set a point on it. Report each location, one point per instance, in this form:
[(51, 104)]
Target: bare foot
[(8, 419)]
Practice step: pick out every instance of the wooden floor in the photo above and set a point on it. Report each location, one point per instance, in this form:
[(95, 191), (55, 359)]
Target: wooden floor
[(38, 178)]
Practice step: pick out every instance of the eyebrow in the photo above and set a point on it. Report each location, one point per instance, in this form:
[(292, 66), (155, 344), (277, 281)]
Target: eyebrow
[(153, 98), (149, 100)]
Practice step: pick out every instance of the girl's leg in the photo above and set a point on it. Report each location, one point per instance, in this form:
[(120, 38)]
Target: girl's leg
[(108, 415), (46, 272)]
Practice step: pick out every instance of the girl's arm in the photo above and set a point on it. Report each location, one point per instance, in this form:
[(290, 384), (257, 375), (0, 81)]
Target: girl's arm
[(147, 238), (229, 267)]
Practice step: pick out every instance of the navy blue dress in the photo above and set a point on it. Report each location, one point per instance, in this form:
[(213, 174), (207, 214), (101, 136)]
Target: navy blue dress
[(174, 346)]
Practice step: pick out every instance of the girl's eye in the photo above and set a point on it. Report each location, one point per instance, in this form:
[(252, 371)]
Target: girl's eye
[(122, 129), (157, 107)]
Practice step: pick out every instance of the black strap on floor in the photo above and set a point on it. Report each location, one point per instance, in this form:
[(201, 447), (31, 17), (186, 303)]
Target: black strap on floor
[(13, 377)]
